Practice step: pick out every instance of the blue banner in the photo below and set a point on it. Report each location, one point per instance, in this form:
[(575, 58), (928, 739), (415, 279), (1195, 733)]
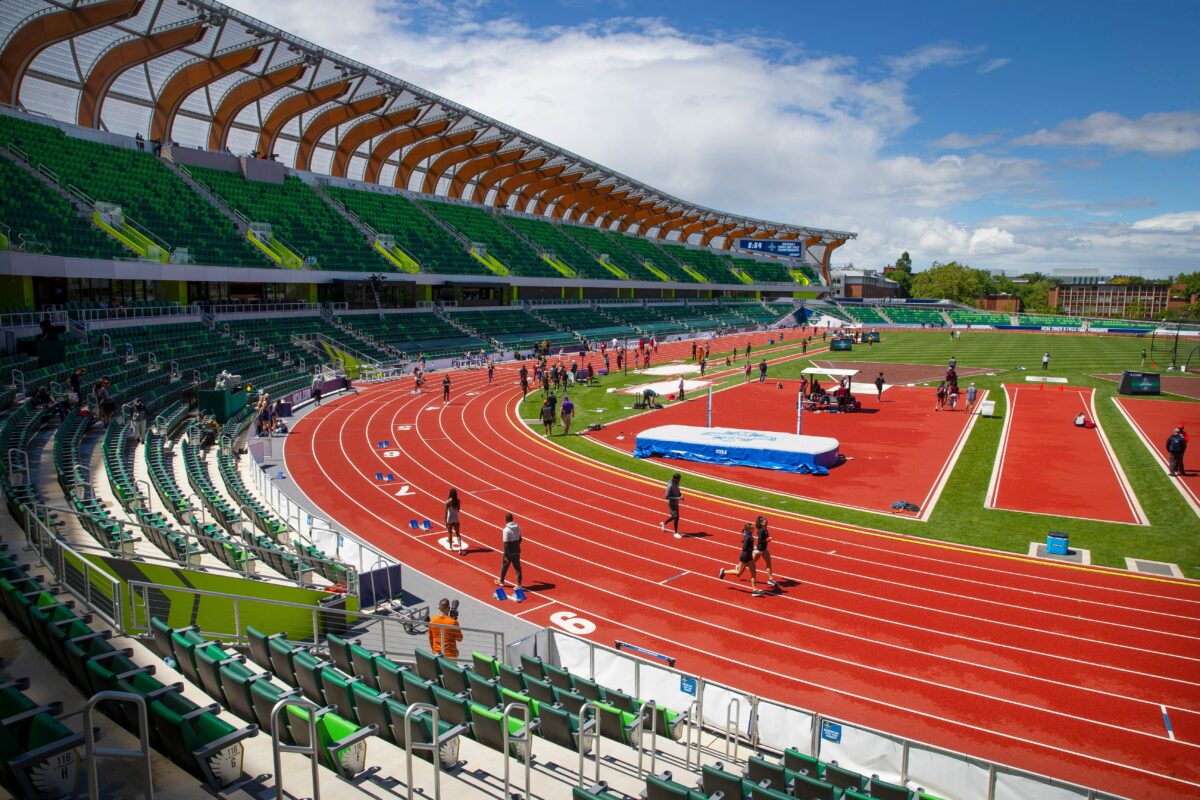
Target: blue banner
[(687, 685), (831, 731)]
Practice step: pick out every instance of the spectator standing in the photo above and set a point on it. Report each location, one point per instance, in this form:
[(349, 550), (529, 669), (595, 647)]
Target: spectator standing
[(453, 530), (972, 394), (568, 414), (511, 535), (762, 371), (1045, 361), (745, 561), (1143, 357), (316, 391), (953, 362), (547, 415), (674, 497), (680, 395), (138, 416), (444, 633), (1176, 447)]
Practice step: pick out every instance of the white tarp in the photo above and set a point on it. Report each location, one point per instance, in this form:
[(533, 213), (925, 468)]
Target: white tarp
[(833, 373), (665, 388), (782, 727), (861, 750), (946, 775)]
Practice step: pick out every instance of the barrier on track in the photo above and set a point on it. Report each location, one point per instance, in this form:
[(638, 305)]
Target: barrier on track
[(770, 725)]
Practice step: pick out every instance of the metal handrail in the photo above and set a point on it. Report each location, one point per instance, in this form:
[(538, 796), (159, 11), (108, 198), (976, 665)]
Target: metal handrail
[(91, 751), (652, 707), (278, 748), (524, 736), (589, 729)]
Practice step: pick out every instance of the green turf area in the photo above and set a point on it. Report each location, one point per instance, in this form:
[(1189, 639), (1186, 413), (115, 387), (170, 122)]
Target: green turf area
[(1174, 531)]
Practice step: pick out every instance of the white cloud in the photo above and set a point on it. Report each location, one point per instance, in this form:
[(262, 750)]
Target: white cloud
[(1164, 134), (946, 54), (993, 64), (964, 141), (725, 122), (1183, 222)]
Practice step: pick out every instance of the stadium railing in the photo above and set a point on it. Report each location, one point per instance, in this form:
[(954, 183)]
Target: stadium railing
[(744, 719)]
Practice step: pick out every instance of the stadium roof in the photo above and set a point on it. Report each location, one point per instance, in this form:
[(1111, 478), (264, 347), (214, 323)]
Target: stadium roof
[(203, 74)]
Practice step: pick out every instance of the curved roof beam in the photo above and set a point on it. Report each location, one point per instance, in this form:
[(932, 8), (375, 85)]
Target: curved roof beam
[(243, 94), (192, 77), (568, 189), (633, 211), (695, 227), (715, 230), (368, 129), (543, 196), (526, 169), (423, 150), (581, 194), (809, 242), (590, 211), (829, 248), (40, 31), (678, 222), (765, 233), (463, 175), (456, 156), (293, 106), (731, 236), (123, 55), (398, 140), (527, 183), (655, 218), (522, 186), (330, 119)]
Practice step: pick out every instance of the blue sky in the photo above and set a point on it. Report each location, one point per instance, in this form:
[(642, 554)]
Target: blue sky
[(1007, 135)]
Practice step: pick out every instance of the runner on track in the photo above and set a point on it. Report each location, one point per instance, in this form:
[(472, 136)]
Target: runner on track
[(745, 561), (453, 532), (674, 497), (446, 388), (762, 549)]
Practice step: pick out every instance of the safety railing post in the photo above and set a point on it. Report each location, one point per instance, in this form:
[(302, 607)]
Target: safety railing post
[(733, 715), (278, 748), (433, 746), (651, 707), (91, 752), (525, 738), (589, 731), (692, 721)]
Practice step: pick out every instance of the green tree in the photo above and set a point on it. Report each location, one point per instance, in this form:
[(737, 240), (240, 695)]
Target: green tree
[(952, 281), (904, 262), (1191, 283), (903, 274), (1135, 310)]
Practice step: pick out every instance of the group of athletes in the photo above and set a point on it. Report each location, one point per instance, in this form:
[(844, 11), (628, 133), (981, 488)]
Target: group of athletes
[(756, 542)]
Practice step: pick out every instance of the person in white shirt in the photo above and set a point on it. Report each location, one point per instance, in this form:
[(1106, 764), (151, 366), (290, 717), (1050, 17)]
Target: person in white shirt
[(511, 535)]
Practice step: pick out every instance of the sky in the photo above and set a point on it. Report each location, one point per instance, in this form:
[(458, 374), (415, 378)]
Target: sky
[(1011, 135)]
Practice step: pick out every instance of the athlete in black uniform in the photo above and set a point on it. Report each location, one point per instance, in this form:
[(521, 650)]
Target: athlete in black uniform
[(746, 561), (761, 549)]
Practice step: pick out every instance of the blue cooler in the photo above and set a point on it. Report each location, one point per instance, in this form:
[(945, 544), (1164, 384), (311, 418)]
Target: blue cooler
[(1057, 544)]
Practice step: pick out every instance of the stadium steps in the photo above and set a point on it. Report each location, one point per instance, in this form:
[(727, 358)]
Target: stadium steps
[(550, 238), (563, 268), (619, 256)]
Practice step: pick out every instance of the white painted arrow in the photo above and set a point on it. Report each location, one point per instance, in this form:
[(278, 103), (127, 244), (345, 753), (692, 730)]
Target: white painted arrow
[(404, 490)]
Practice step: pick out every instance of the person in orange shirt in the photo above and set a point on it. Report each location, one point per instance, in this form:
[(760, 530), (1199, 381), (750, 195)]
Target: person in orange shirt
[(444, 633)]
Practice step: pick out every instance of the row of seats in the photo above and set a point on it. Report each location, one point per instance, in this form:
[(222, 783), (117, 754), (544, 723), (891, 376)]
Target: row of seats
[(192, 736), (478, 225)]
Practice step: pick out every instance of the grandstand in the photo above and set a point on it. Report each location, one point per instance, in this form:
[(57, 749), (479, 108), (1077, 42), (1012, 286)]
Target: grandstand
[(501, 243), (585, 321), (415, 333), (909, 315), (512, 329), (434, 248), (551, 239), (961, 316), (867, 315), (1049, 321)]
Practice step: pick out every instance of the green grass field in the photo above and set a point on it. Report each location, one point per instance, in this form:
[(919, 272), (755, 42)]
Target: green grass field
[(1174, 531)]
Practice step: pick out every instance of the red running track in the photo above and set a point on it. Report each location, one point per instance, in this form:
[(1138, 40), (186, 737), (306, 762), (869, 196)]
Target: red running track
[(1154, 420), (898, 448), (1046, 465), (1053, 668)]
